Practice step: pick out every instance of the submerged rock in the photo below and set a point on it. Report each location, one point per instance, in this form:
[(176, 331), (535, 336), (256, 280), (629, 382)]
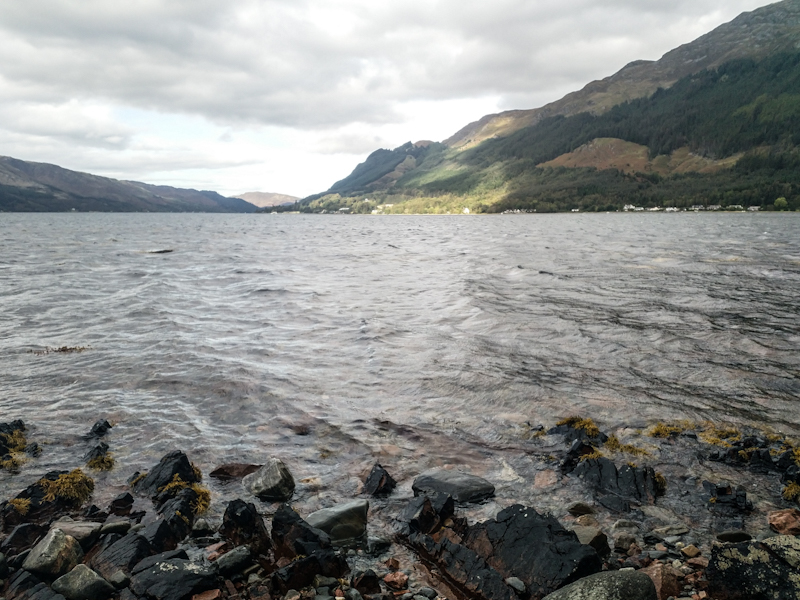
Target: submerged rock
[(462, 487), (611, 585), (627, 482), (273, 482), (344, 522)]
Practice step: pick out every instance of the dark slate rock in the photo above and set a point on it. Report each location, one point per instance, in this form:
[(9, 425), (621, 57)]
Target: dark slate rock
[(100, 429), (20, 584), (33, 450), (22, 537), (426, 514), (379, 482), (273, 482), (148, 562), (100, 450), (464, 568), (3, 566), (601, 474), (756, 570), (462, 487), (81, 583), (366, 582), (121, 505), (301, 572), (611, 585), (174, 463), (243, 525), (121, 555), (577, 450), (729, 500), (173, 579), (293, 536), (574, 434), (175, 523), (536, 548), (9, 429), (594, 537), (127, 594), (41, 511), (614, 503), (343, 522), (235, 561)]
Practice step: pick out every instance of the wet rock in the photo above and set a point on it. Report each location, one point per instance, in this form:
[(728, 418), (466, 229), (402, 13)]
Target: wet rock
[(202, 528), (577, 450), (611, 585), (343, 523), (81, 583), (462, 487), (536, 548), (396, 581), (24, 585), (727, 500), (120, 527), (121, 505), (243, 525), (430, 593), (594, 537), (623, 541), (638, 483), (172, 464), (173, 579), (577, 434), (464, 568), (86, 532), (665, 579), (150, 561), (33, 450), (293, 536), (379, 482), (235, 561), (785, 522), (273, 482), (98, 452), (3, 566), (580, 508), (44, 508), (301, 573), (426, 514), (120, 555), (22, 537), (55, 555), (366, 582), (100, 429), (232, 471), (614, 503), (755, 570)]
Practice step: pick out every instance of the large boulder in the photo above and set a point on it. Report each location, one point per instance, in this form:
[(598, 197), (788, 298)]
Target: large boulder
[(56, 494), (170, 465), (535, 548), (462, 487), (22, 537), (173, 579), (611, 585), (344, 522), (756, 571), (54, 556), (242, 524), (273, 482), (81, 583), (294, 537), (120, 554)]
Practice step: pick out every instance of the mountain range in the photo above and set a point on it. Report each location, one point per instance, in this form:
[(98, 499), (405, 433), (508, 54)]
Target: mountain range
[(40, 187), (715, 121)]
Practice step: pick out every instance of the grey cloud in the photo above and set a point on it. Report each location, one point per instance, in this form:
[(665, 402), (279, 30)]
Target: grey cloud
[(287, 63)]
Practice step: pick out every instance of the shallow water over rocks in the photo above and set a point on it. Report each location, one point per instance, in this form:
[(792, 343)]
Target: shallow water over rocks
[(336, 342)]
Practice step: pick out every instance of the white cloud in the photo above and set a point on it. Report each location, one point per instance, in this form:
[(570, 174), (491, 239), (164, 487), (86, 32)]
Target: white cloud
[(216, 90)]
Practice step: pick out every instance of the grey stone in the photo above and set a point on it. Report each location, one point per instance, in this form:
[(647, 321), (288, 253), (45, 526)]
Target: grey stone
[(625, 524), (234, 561), (343, 522), (121, 527), (431, 593), (119, 579), (609, 585), (516, 583), (594, 537), (321, 581), (272, 482), (3, 566), (623, 541), (353, 594), (55, 555), (81, 583), (463, 487), (86, 532)]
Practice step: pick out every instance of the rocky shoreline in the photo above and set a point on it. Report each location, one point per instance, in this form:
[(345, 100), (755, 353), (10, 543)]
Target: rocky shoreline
[(643, 526)]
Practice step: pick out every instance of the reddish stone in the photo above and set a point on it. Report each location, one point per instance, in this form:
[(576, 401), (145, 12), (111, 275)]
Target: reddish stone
[(396, 580), (785, 522), (209, 595), (665, 578), (231, 588), (392, 564), (338, 593), (218, 547), (700, 562)]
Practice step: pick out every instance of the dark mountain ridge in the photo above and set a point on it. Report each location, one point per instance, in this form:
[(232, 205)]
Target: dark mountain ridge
[(41, 187)]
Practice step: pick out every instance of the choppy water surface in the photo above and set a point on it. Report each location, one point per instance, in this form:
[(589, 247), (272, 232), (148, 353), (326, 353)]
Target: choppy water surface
[(337, 341)]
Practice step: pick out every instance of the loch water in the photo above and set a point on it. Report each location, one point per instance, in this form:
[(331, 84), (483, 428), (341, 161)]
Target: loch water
[(334, 342)]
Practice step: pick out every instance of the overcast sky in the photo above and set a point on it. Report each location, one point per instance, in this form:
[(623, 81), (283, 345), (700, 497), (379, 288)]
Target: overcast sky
[(289, 95)]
